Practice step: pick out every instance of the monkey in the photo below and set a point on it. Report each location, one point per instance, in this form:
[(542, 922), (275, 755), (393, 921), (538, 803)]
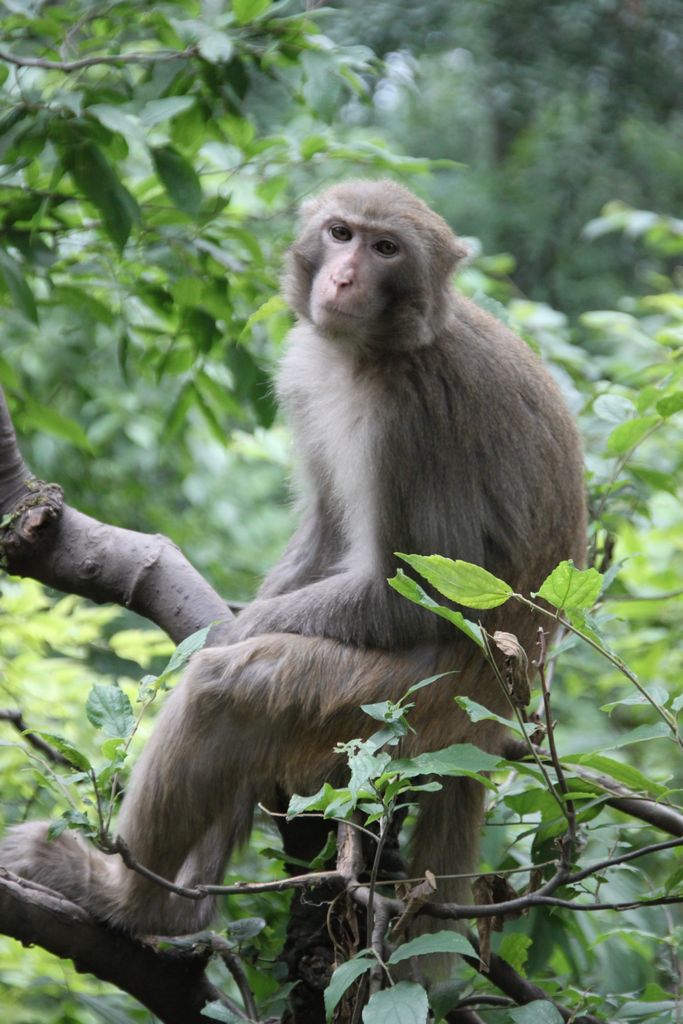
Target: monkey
[(422, 425)]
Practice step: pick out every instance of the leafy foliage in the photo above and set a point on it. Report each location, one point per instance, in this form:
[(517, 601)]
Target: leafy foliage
[(150, 159), (144, 200)]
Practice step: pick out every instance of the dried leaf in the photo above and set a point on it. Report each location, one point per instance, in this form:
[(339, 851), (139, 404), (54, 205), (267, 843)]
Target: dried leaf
[(516, 666), (482, 893), (413, 898)]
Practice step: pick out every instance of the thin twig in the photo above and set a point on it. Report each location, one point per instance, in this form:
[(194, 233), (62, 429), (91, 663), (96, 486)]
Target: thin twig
[(610, 862), (233, 964), (200, 892), (455, 912), (520, 721), (16, 718), (667, 595), (67, 66), (614, 659), (483, 1000), (568, 845), (374, 871)]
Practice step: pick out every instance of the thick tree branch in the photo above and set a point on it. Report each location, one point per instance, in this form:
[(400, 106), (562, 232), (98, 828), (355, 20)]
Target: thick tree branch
[(170, 983), (521, 990), (661, 815), (51, 542)]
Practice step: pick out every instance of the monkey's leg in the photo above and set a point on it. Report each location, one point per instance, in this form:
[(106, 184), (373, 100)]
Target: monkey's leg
[(246, 718), (222, 740), (190, 799)]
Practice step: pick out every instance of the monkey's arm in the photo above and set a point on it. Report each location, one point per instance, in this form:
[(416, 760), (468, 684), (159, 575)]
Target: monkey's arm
[(355, 609), (309, 556)]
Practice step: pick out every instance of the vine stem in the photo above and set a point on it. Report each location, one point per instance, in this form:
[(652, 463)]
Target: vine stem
[(614, 659)]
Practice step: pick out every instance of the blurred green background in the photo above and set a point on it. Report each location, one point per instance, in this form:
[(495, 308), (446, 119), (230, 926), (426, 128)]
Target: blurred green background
[(145, 206)]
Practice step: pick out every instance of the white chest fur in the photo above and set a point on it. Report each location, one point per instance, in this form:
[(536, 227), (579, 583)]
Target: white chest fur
[(330, 409)]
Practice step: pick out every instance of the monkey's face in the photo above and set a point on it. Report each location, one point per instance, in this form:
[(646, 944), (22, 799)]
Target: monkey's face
[(353, 286), (371, 266)]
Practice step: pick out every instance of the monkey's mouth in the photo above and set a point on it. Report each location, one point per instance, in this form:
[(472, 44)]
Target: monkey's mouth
[(333, 310)]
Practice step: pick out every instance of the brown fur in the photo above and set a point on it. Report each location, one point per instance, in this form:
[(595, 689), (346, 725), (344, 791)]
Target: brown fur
[(423, 425)]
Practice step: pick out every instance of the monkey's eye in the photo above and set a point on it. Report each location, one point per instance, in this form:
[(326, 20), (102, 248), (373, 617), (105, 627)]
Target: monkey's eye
[(341, 233), (385, 247)]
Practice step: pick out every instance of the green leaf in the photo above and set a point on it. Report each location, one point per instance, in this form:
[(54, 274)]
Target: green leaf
[(218, 1011), (117, 120), (344, 976), (624, 773), (478, 713), (540, 1011), (97, 181), (462, 582), (458, 759), (114, 749), (428, 681), (405, 1003), (22, 296), (341, 806), (248, 10), (216, 47), (529, 801), (275, 304), (179, 178), (382, 712), (365, 765), (157, 111), (614, 408), (569, 587), (246, 928), (641, 733), (670, 404), (659, 694), (53, 422), (316, 802), (514, 948), (407, 587), (437, 942), (627, 435), (56, 828), (184, 651), (74, 756), (203, 331), (313, 144), (108, 708)]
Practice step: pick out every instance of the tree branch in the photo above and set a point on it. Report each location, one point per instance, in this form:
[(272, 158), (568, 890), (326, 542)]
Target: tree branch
[(49, 541), (170, 983), (661, 815), (521, 990), (160, 57), (37, 742)]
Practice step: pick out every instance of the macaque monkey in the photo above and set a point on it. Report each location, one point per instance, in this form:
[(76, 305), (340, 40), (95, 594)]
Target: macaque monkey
[(422, 425)]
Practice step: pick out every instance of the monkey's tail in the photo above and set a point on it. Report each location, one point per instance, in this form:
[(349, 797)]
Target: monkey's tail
[(66, 864), (446, 842), (99, 882)]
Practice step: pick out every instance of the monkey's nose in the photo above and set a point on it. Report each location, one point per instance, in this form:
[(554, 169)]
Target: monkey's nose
[(342, 278)]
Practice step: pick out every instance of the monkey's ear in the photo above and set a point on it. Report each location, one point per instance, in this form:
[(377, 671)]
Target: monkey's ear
[(459, 251), (448, 250)]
